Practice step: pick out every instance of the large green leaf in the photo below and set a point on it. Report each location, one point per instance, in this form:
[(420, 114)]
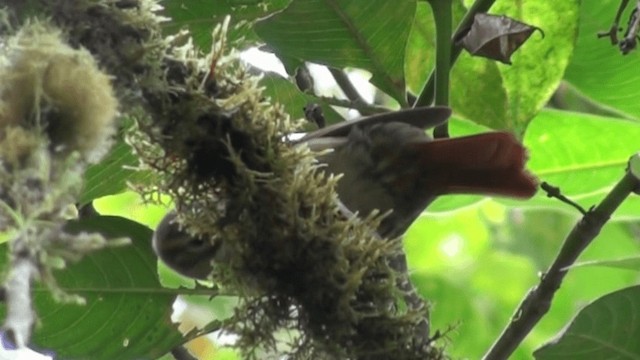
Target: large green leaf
[(421, 48), (477, 89), (286, 93), (483, 100), (370, 35), (127, 312), (539, 65), (627, 263), (110, 176), (508, 97), (608, 328), (201, 16), (582, 154), (598, 69)]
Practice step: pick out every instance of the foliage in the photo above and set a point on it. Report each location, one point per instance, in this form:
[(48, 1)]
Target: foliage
[(570, 96)]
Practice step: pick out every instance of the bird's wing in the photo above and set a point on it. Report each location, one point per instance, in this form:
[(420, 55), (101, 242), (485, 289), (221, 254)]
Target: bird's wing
[(422, 117)]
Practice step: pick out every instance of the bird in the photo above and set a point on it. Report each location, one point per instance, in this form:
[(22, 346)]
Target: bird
[(181, 251), (388, 163)]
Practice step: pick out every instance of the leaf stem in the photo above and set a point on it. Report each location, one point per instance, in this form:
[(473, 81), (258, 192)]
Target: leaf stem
[(443, 19)]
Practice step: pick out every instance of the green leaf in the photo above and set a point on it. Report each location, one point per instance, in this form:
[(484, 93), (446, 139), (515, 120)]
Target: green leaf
[(598, 69), (627, 263), (608, 328), (477, 89), (421, 48), (369, 35), (484, 100), (508, 97), (110, 175), (582, 154), (201, 16), (287, 94), (127, 312)]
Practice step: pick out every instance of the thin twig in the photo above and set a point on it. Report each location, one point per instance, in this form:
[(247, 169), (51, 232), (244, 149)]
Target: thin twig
[(554, 192), (612, 33), (363, 108), (347, 87), (538, 301)]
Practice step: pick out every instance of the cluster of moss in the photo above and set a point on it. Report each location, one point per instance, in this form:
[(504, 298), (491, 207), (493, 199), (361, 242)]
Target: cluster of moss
[(296, 261), (57, 116)]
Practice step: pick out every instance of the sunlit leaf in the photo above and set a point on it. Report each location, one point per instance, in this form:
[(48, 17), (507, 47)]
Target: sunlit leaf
[(628, 263), (201, 16), (608, 328), (584, 155), (597, 68), (508, 97), (370, 35)]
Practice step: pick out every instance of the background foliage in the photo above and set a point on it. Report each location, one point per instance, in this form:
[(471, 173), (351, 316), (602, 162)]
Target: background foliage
[(572, 97)]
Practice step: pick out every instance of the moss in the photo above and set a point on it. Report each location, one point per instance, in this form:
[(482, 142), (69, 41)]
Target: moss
[(298, 263), (48, 86), (57, 115)]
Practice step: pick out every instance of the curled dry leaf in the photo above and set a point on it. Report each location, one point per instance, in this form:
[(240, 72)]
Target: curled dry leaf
[(496, 37)]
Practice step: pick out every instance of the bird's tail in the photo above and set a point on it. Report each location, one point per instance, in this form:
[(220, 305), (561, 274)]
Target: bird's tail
[(490, 164)]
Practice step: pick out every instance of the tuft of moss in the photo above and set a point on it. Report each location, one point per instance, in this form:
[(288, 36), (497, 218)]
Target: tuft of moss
[(57, 115), (48, 86), (298, 263), (123, 35)]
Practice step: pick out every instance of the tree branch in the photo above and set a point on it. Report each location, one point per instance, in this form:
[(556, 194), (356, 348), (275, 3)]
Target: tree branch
[(538, 301)]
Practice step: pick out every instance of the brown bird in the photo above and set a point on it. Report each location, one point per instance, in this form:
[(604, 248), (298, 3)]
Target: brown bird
[(388, 163)]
